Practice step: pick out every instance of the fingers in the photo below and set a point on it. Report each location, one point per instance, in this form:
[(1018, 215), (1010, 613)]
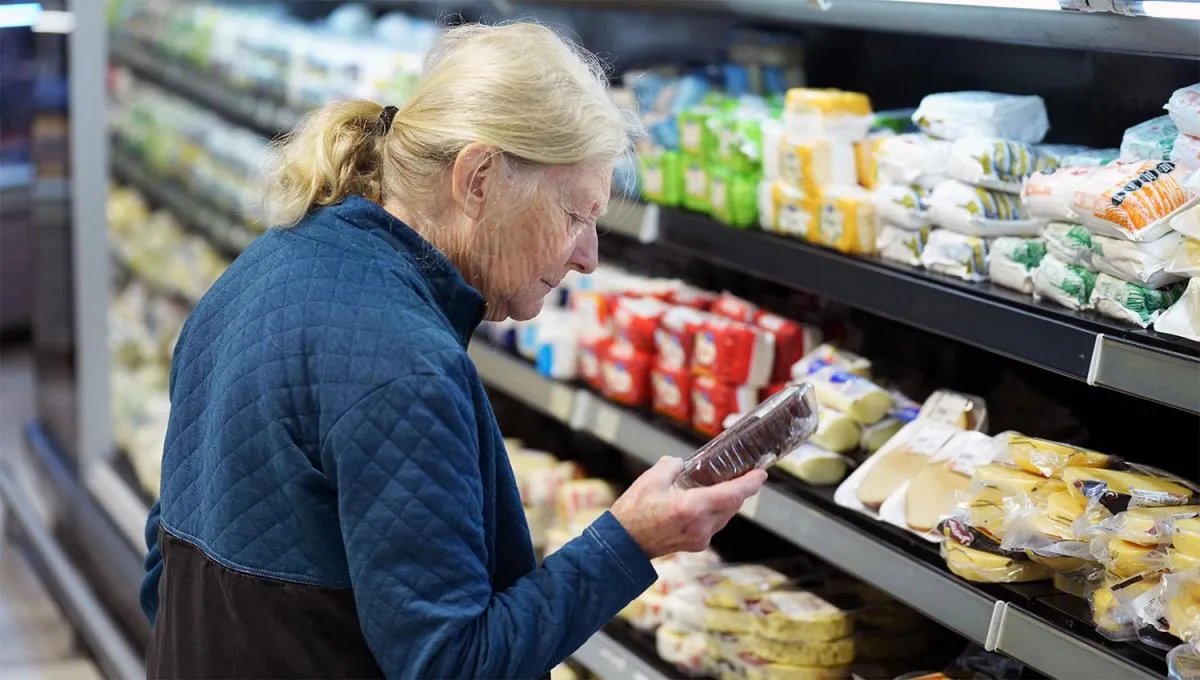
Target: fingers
[(729, 496), (664, 472)]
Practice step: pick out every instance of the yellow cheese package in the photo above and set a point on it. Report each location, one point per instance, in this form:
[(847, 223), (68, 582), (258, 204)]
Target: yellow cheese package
[(874, 437), (726, 587), (1014, 481), (645, 612), (931, 495), (792, 616), (812, 163), (681, 569), (1179, 561), (1185, 536), (1047, 458), (686, 649), (796, 652), (1181, 603), (747, 666), (814, 465), (727, 620), (795, 211), (981, 566), (846, 221), (1145, 526), (964, 411), (836, 431), (1112, 604), (683, 609), (1117, 490), (1125, 560), (816, 111), (1036, 527), (854, 395)]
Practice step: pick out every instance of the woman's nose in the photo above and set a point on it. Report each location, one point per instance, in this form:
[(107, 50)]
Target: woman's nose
[(586, 256)]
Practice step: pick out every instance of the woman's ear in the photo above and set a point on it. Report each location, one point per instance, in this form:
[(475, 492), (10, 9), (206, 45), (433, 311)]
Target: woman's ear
[(474, 174)]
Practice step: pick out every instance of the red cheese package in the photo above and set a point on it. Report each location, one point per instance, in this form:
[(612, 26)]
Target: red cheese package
[(591, 362), (594, 310), (792, 341), (713, 402), (627, 374), (733, 307), (676, 337), (672, 393), (636, 319), (696, 298), (734, 353)]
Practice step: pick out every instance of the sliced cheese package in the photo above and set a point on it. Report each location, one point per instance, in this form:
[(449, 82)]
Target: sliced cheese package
[(860, 399), (954, 254), (827, 355), (682, 569), (934, 492), (832, 654), (1181, 606), (996, 164), (1185, 536), (1046, 458), (875, 481), (1036, 527), (1012, 261), (686, 649), (727, 587), (1133, 201), (798, 616), (814, 465), (903, 246), (981, 566), (1069, 285), (975, 211), (964, 411), (846, 221), (1135, 486), (1182, 319), (1130, 302)]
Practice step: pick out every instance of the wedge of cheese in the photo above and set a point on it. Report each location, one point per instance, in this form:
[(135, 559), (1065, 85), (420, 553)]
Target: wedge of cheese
[(888, 474), (1050, 459), (1053, 531), (797, 615), (1111, 617), (1061, 506), (1182, 611), (1014, 481), (985, 567), (1178, 561), (1149, 526), (836, 431), (1124, 559), (1148, 490), (986, 512), (932, 494), (1185, 536)]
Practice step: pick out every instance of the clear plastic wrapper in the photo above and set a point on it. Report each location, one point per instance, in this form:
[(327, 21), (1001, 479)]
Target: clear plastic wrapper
[(1131, 201), (687, 650), (1181, 604), (912, 160), (1134, 486), (846, 220), (1147, 526), (802, 652), (1012, 261), (1151, 140), (1046, 458), (1145, 263), (727, 587), (774, 428), (981, 566), (1184, 109), (976, 211), (903, 246), (855, 396), (955, 115), (1112, 605), (1045, 539), (1125, 560), (1179, 561), (1183, 663), (1185, 536), (814, 465), (1185, 260), (1069, 285), (1130, 302), (954, 254), (996, 164), (1182, 319), (789, 616)]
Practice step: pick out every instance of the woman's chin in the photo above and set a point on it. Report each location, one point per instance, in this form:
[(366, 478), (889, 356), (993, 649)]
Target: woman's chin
[(524, 310)]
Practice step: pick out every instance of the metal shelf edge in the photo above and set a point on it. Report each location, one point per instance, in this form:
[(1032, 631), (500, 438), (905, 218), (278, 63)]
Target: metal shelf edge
[(1057, 653), (124, 507), (607, 658)]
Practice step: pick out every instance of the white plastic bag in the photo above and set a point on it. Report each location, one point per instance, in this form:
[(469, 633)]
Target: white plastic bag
[(1069, 285), (1183, 318), (996, 164), (1012, 261), (954, 115), (975, 211), (1149, 141), (955, 254), (903, 246), (1127, 301), (1184, 109), (912, 159), (1186, 152), (903, 206)]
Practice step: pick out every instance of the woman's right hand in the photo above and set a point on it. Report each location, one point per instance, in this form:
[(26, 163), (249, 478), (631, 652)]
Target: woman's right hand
[(665, 519)]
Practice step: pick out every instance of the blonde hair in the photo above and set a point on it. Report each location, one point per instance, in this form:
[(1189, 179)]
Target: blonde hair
[(536, 97)]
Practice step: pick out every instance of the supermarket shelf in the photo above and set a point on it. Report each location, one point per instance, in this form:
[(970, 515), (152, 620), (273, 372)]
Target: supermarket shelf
[(632, 220), (124, 507), (225, 234), (821, 530), (608, 658), (1084, 346)]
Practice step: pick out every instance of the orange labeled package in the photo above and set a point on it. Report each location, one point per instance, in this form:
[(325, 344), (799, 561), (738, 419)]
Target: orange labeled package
[(1133, 201)]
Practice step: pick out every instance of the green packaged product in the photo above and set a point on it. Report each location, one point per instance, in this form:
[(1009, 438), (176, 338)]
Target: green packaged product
[(695, 184), (1130, 302), (661, 176), (740, 143), (733, 197), (698, 132), (1069, 285)]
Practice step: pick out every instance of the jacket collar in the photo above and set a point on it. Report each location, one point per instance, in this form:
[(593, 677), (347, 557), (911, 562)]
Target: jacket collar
[(460, 302)]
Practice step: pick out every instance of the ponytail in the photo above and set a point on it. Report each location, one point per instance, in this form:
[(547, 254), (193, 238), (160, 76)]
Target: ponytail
[(334, 152)]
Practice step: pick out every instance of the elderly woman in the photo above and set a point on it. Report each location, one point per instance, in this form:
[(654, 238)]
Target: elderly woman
[(336, 497)]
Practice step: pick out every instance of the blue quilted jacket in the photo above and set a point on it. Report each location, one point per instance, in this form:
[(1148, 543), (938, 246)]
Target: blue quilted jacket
[(336, 497)]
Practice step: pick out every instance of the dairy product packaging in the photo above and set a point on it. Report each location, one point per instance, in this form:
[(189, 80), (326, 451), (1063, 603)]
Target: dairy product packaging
[(1046, 458), (836, 431), (792, 341), (733, 307), (686, 649), (954, 254), (794, 212), (888, 470), (1130, 302), (672, 393), (976, 211), (846, 220), (1069, 285), (996, 164), (903, 206), (1151, 140), (811, 163), (679, 570), (983, 566), (714, 401), (1131, 201), (661, 173), (675, 338), (809, 112), (1183, 318), (1181, 607), (1012, 261), (902, 246), (814, 465), (1145, 263), (733, 196), (773, 429), (1185, 153), (1185, 260), (912, 160), (591, 356), (1112, 603), (857, 397), (1184, 109), (828, 355), (1131, 486), (734, 353), (635, 320), (626, 374), (955, 115)]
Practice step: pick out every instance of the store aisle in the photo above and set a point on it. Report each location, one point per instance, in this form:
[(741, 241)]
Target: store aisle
[(36, 639)]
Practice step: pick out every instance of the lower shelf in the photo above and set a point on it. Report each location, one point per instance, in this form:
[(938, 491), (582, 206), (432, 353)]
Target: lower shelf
[(618, 651), (1016, 620)]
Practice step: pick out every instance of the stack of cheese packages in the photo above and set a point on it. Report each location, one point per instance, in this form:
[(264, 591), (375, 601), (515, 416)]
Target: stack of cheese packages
[(1110, 242), (1184, 110), (960, 176), (559, 501), (1183, 318), (811, 185)]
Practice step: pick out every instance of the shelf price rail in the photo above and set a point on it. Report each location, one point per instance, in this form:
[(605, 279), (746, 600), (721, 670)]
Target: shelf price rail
[(974, 614)]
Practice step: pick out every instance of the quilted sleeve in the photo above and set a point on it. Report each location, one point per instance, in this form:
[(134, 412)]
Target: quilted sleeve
[(405, 461), (148, 594)]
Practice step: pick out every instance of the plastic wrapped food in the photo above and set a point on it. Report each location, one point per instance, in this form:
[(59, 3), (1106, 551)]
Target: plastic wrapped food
[(1131, 201), (680, 570), (727, 587), (1014, 481), (902, 246), (1185, 261), (1049, 194), (747, 666), (954, 254), (795, 212), (955, 115), (1111, 601), (912, 160), (889, 469), (686, 649), (1149, 141), (683, 608), (1146, 526), (1179, 561), (1145, 263), (810, 163), (860, 399), (774, 428), (1184, 109), (903, 206), (1186, 152), (797, 615), (733, 352), (976, 211), (987, 567), (1183, 317), (827, 355), (1012, 261), (836, 431), (1185, 536), (802, 652), (996, 164), (1047, 458), (931, 495), (1124, 560), (818, 112), (1130, 302), (875, 437), (846, 221), (645, 613), (1183, 663), (1137, 486), (814, 465), (1066, 284)]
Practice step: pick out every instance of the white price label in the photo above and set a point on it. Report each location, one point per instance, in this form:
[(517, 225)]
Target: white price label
[(560, 402), (649, 227), (607, 423), (749, 509)]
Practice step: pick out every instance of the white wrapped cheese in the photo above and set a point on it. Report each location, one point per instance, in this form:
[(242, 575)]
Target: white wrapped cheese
[(1069, 285), (1186, 152), (1142, 263), (996, 164), (957, 255), (1149, 141), (859, 398), (1129, 302), (1012, 261), (901, 205), (1183, 317), (1184, 109), (903, 246), (954, 115), (912, 160), (975, 211)]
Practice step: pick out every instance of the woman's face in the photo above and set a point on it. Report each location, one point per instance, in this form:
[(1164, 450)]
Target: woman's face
[(532, 236)]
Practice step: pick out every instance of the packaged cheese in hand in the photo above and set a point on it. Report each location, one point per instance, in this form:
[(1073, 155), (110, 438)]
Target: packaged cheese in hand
[(1183, 317), (1130, 302), (957, 255), (1133, 201), (773, 429), (854, 395), (901, 245), (976, 211), (1012, 261), (1066, 284), (996, 164), (954, 115), (1149, 141)]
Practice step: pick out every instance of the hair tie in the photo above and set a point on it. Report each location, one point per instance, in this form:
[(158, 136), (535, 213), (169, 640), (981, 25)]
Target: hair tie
[(386, 116)]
